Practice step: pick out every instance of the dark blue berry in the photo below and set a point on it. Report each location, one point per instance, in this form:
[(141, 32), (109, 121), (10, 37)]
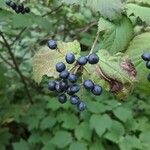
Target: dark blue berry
[(93, 59), (148, 77), (148, 64), (81, 106), (17, 10), (72, 78), (70, 58), (58, 88), (51, 85), (97, 90), (60, 67), (8, 2), (146, 56), (64, 74), (82, 60), (63, 85), (74, 100), (13, 5), (88, 84), (52, 44), (27, 10), (20, 7), (73, 89), (62, 98)]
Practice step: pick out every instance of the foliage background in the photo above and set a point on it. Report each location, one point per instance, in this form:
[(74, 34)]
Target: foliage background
[(30, 117)]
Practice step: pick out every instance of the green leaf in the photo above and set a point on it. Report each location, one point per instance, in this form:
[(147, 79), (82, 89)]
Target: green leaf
[(48, 146), (108, 8), (100, 123), (115, 132), (141, 2), (77, 146), (47, 123), (139, 11), (123, 114), (115, 73), (21, 145), (45, 59), (61, 139), (83, 131), (96, 146), (5, 136), (70, 121), (144, 138), (130, 143), (117, 35), (139, 45)]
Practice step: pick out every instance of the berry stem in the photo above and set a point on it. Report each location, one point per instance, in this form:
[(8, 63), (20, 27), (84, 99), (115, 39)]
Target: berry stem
[(95, 42)]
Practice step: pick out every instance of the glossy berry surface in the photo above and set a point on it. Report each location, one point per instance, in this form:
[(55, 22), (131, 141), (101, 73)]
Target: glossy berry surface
[(63, 85), (58, 88), (148, 77), (73, 89), (93, 59), (148, 64), (81, 106), (51, 85), (74, 100), (88, 84), (52, 44), (64, 74), (60, 67), (70, 58), (21, 7), (146, 56), (17, 10), (97, 90), (62, 98), (72, 78), (82, 60)]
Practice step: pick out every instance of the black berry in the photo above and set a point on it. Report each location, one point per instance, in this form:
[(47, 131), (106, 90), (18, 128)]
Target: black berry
[(88, 84), (27, 9), (62, 98), (82, 60), (93, 59), (70, 58), (97, 90), (148, 77), (60, 67), (63, 85), (73, 89), (21, 7), (148, 64), (13, 5), (52, 44), (58, 88), (72, 78), (74, 100), (146, 56), (17, 10), (81, 106), (51, 85), (64, 74)]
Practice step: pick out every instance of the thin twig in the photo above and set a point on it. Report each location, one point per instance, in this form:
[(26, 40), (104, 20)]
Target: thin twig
[(95, 42), (16, 66), (7, 62), (56, 9)]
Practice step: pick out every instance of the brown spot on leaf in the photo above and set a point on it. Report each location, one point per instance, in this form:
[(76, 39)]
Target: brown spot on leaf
[(129, 67)]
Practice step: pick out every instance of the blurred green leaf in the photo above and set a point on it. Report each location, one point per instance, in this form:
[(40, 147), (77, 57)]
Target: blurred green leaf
[(77, 146)]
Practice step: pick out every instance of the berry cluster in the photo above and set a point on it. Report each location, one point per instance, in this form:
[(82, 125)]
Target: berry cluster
[(18, 8), (67, 84), (146, 57)]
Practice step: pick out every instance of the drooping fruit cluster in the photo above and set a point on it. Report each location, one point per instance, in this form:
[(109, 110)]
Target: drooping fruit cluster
[(17, 8), (67, 85), (146, 57)]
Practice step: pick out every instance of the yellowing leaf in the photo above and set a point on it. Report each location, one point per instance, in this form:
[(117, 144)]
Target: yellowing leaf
[(45, 59)]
